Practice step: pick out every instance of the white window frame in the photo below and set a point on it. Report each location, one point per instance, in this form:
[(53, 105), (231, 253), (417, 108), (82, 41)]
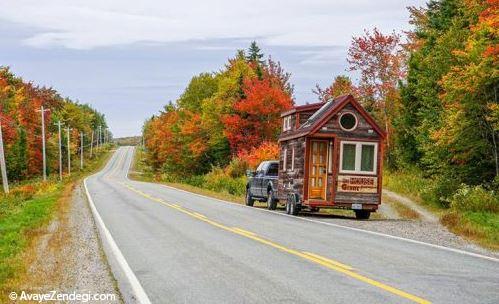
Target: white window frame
[(286, 125), (293, 159), (356, 121), (358, 157)]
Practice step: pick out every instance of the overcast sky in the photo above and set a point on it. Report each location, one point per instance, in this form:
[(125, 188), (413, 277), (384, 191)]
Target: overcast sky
[(129, 58)]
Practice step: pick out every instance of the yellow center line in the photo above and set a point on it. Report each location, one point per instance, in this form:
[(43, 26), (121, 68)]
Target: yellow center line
[(199, 214), (243, 231), (328, 263), (328, 260)]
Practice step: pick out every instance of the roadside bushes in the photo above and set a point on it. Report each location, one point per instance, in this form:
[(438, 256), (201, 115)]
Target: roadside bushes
[(218, 180), (475, 199)]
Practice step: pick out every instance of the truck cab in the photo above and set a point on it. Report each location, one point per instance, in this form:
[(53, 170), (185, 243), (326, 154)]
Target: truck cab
[(262, 184)]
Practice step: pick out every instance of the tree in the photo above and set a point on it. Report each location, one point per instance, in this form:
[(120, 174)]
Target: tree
[(470, 99), (439, 30), (341, 85), (257, 117), (380, 60), (200, 87), (254, 54)]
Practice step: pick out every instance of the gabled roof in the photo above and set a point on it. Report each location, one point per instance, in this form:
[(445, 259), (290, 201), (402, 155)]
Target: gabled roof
[(328, 110), (303, 108)]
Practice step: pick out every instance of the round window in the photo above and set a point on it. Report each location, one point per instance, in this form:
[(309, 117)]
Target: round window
[(348, 121)]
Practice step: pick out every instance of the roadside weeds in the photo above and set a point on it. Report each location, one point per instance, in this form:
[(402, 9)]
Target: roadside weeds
[(32, 249)]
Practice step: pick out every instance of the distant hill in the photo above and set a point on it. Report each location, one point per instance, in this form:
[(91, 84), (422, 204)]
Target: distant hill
[(128, 141)]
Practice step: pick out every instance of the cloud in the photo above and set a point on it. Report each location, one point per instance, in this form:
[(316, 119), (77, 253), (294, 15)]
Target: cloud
[(89, 24)]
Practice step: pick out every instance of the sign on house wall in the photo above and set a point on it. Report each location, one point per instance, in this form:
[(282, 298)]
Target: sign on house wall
[(358, 184)]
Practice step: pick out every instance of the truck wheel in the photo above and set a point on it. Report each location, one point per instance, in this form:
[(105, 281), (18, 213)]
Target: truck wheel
[(271, 201), (362, 214), (249, 199)]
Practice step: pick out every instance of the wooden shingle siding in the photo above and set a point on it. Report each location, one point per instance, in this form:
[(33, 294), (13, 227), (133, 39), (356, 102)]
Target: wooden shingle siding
[(291, 180), (304, 116), (362, 130)]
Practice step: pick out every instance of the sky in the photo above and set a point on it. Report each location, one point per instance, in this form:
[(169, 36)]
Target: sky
[(129, 58)]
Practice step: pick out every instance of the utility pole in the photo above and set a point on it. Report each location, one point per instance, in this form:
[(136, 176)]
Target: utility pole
[(5, 182), (42, 110), (60, 149), (92, 143), (69, 153), (81, 150)]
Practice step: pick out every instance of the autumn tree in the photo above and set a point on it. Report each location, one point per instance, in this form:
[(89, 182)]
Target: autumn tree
[(257, 117), (342, 85), (380, 60)]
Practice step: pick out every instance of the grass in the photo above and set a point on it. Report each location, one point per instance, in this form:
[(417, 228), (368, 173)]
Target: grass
[(412, 185), (479, 227), (24, 213)]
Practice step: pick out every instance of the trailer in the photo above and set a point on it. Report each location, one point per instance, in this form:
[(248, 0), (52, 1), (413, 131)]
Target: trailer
[(331, 156)]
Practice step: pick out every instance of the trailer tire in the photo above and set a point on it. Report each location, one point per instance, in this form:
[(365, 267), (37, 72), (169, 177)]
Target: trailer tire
[(292, 205), (271, 201), (249, 200), (362, 214)]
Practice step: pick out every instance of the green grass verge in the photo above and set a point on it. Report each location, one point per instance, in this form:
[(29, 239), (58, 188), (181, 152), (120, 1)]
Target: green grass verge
[(481, 227), (26, 209)]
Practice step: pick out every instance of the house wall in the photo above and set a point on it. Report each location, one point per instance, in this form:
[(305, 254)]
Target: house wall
[(291, 180), (304, 116), (362, 130)]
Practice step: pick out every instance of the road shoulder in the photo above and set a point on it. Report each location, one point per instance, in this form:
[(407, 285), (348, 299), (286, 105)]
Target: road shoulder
[(68, 255)]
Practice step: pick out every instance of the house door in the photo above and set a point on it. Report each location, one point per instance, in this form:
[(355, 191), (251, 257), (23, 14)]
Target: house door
[(318, 170)]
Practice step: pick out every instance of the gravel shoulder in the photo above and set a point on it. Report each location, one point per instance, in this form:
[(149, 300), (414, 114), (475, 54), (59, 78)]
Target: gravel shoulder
[(68, 256), (425, 229)]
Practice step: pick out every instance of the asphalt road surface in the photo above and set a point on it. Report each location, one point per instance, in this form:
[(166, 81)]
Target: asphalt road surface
[(186, 248)]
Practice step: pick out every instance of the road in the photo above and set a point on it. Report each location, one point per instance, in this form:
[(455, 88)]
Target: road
[(186, 248)]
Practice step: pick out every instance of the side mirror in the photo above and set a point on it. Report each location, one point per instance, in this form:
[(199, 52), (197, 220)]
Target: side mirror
[(250, 173)]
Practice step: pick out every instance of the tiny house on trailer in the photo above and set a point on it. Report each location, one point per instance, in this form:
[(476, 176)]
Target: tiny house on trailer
[(330, 157)]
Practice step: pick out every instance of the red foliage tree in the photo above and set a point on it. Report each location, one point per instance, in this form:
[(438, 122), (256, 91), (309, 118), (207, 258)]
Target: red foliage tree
[(256, 117)]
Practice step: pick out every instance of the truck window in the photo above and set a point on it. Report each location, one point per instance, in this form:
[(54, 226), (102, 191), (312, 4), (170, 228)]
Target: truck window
[(261, 167), (273, 168)]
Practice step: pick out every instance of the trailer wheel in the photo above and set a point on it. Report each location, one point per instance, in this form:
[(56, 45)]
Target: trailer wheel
[(271, 201), (292, 206), (362, 214), (249, 199)]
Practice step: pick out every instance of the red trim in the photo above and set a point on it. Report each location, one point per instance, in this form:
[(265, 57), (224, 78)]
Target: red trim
[(302, 108), (335, 168), (306, 169)]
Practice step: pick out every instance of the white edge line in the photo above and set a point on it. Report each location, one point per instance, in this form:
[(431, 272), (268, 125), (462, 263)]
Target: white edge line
[(464, 252), (137, 289)]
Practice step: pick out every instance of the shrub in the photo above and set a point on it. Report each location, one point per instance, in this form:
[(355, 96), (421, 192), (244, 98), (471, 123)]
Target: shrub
[(236, 168), (218, 180), (440, 191), (475, 199)]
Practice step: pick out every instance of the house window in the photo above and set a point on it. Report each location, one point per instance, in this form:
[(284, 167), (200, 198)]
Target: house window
[(293, 159), (358, 157), (286, 125), (348, 121)]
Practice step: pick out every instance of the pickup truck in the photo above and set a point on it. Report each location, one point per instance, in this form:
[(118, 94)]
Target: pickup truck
[(262, 184)]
